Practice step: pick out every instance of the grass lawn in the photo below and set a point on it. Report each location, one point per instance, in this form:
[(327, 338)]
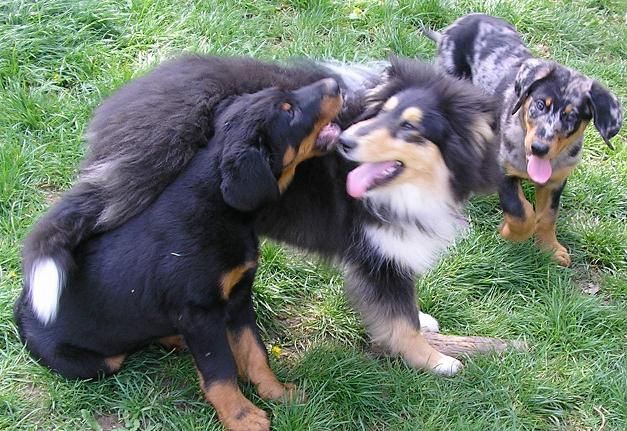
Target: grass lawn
[(59, 58)]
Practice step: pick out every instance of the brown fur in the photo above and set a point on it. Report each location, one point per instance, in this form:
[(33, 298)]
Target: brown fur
[(330, 108), (519, 229), (114, 363), (404, 339), (423, 163), (545, 226), (252, 364), (234, 410), (232, 277)]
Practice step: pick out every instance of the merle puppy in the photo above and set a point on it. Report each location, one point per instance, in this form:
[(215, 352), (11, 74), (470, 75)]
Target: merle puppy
[(545, 108)]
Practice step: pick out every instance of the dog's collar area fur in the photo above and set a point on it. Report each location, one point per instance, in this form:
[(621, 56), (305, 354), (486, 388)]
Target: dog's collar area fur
[(405, 216)]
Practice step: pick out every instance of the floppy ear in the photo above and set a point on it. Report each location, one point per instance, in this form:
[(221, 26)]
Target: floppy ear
[(531, 71), (247, 180), (606, 111)]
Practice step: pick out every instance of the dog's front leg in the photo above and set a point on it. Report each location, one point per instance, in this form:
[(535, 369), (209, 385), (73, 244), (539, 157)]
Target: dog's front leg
[(204, 330), (386, 300), (547, 208), (249, 352), (518, 215)]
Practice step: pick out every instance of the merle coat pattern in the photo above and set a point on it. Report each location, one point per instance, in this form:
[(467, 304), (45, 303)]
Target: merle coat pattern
[(545, 108)]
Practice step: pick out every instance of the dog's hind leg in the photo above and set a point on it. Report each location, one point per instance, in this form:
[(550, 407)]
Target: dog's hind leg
[(387, 303), (249, 352), (75, 362), (547, 208), (519, 217)]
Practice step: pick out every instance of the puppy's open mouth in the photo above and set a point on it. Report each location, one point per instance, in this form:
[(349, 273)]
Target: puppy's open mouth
[(367, 176), (328, 137)]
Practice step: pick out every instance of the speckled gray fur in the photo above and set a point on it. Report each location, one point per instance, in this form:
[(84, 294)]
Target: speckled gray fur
[(491, 53)]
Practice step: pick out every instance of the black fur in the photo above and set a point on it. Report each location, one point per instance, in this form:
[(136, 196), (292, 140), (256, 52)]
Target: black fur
[(153, 126), (316, 213), (162, 272)]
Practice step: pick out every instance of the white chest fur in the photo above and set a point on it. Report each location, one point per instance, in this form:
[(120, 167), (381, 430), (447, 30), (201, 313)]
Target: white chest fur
[(424, 225)]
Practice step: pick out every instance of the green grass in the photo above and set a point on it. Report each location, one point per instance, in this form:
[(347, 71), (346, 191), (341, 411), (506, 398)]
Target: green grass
[(59, 58)]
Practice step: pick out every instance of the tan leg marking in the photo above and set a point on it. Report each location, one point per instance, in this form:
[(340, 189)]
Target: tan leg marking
[(545, 226), (234, 410), (232, 277), (402, 338), (114, 363), (519, 229), (252, 364)]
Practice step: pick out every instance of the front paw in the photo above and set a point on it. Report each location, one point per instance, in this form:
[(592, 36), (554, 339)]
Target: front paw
[(560, 253), (277, 391), (447, 366), (516, 231), (249, 418)]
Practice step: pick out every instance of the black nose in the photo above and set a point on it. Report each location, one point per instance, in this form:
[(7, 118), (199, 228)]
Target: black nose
[(539, 149), (347, 143), (331, 87)]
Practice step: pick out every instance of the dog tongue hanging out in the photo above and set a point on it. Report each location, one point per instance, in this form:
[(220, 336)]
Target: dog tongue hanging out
[(539, 170), (369, 175), (544, 109)]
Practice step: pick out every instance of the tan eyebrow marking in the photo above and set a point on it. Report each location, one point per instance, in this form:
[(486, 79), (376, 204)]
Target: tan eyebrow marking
[(391, 103), (412, 115)]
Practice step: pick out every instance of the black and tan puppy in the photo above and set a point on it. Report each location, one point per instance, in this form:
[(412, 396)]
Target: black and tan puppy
[(185, 264), (139, 139), (545, 108)]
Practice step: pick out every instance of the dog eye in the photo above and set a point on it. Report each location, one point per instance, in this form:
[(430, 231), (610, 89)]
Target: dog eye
[(540, 105), (406, 125)]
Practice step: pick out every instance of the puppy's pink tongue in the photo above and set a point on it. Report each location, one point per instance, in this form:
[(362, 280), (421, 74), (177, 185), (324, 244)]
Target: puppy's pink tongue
[(539, 170), (361, 178)]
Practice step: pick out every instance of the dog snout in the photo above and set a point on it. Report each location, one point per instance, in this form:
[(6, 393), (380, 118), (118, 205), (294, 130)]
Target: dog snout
[(539, 149), (331, 87)]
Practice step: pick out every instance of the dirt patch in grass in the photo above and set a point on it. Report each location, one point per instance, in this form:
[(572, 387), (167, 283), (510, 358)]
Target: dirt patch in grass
[(51, 193), (109, 422), (589, 282)]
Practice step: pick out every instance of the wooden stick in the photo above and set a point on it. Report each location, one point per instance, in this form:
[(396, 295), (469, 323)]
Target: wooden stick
[(459, 346)]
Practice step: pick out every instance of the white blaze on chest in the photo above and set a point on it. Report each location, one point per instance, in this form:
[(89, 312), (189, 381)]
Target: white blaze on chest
[(415, 245)]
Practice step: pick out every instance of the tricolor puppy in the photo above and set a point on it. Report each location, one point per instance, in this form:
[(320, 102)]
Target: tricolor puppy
[(391, 203), (184, 265), (545, 108)]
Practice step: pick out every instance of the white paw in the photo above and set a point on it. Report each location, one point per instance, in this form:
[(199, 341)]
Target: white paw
[(447, 366), (428, 323)]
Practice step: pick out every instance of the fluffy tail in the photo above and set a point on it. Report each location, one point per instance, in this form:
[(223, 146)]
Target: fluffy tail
[(431, 34), (47, 254)]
